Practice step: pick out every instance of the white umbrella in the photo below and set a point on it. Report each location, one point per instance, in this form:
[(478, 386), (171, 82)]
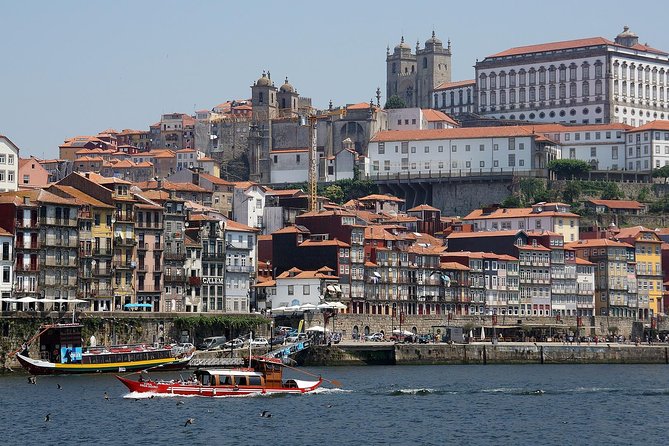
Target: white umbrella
[(317, 328), (278, 309), (403, 332), (482, 334), (307, 307), (77, 301), (325, 306), (337, 305), (26, 299), (293, 308)]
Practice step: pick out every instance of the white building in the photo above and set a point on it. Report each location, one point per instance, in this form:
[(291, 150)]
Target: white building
[(647, 147), (584, 81), (289, 165), (455, 98), (248, 204), (600, 145), (193, 267), (459, 151), (241, 246), (7, 268), (418, 119), (553, 217), (9, 164), (585, 283), (297, 287)]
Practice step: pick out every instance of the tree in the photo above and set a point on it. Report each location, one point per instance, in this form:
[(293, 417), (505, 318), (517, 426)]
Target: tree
[(611, 191), (569, 168), (395, 102), (512, 201), (662, 172), (334, 193), (572, 192)]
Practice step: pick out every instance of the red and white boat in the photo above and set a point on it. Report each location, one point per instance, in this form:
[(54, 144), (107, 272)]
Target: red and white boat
[(264, 378)]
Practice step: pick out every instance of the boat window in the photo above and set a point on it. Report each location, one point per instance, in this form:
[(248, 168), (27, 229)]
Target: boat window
[(226, 381), (255, 381), (205, 380), (241, 381)]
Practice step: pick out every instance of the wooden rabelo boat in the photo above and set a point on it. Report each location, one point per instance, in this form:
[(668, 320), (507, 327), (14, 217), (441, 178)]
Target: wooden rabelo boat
[(265, 377), (61, 352)]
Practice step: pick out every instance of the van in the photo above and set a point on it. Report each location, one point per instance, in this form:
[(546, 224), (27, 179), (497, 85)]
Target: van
[(212, 343)]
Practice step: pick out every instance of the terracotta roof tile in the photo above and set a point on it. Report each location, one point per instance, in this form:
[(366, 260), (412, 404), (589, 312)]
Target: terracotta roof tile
[(618, 204), (446, 85), (456, 133)]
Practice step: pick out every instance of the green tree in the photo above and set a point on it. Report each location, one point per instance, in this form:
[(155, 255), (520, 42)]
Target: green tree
[(662, 172), (395, 102), (512, 201), (611, 191), (569, 168), (644, 194), (572, 192), (334, 193)]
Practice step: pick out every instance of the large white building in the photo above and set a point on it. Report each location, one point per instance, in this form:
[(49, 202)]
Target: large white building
[(240, 265), (647, 147), (459, 151), (9, 164), (584, 81)]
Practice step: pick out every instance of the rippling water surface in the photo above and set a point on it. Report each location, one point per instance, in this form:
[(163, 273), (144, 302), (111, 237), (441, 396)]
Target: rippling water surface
[(423, 405)]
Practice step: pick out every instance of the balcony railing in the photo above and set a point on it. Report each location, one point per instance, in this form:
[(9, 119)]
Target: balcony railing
[(28, 268), (120, 241), (239, 269), (169, 255), (102, 292), (145, 225), (176, 278), (121, 263), (124, 216), (21, 223), (54, 221), (212, 256), (149, 288), (21, 244), (102, 251)]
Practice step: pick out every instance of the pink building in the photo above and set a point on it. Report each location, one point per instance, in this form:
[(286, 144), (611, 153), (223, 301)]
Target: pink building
[(32, 174)]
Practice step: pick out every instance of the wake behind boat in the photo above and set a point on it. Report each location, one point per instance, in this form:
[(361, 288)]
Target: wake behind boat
[(264, 378), (61, 352)]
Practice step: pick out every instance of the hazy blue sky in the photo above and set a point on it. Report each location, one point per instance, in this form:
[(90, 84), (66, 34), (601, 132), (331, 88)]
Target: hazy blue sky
[(77, 67)]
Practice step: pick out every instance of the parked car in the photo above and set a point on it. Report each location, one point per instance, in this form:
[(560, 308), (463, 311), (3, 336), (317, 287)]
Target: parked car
[(425, 339), (374, 337), (277, 340), (298, 337), (259, 342), (234, 343), (212, 343)]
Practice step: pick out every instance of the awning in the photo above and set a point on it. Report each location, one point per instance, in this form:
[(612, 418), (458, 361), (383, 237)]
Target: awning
[(138, 305)]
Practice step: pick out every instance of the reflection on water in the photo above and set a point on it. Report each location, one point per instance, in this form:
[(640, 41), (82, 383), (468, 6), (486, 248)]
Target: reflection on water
[(510, 404)]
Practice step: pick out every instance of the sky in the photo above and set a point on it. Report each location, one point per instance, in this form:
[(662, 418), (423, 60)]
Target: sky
[(77, 67)]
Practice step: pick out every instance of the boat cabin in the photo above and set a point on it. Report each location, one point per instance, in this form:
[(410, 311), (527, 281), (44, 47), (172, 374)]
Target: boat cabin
[(235, 378), (61, 343)]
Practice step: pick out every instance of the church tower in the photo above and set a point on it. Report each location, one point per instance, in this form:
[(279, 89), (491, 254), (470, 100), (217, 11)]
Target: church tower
[(434, 68), (263, 97), (287, 100), (264, 100), (401, 74)]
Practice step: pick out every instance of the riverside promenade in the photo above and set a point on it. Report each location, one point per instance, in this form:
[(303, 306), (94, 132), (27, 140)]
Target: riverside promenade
[(390, 353)]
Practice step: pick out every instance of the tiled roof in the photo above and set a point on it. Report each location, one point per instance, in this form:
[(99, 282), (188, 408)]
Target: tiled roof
[(334, 242), (580, 261), (633, 232), (597, 242), (653, 125), (169, 185), (454, 235), (215, 180), (374, 232), (618, 204), (360, 106), (236, 226), (437, 116), (446, 85), (379, 197), (477, 214), (306, 275), (423, 207), (456, 133), (295, 229), (82, 197), (454, 266), (562, 128)]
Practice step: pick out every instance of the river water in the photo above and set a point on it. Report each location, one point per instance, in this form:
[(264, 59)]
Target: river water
[(398, 405)]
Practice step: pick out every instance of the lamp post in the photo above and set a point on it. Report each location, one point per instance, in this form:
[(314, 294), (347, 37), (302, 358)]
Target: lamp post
[(271, 335)]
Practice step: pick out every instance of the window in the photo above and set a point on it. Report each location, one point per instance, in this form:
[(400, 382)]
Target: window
[(481, 148), (454, 148), (26, 179), (382, 148), (306, 290), (440, 148), (512, 160), (291, 290), (5, 274), (593, 152), (482, 164), (427, 149)]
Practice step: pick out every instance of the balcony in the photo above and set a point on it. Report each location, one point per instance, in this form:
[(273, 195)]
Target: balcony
[(22, 245), (27, 268), (28, 224), (61, 263), (55, 221), (101, 272), (145, 225), (65, 243), (149, 288), (120, 241), (195, 281), (102, 252), (85, 253), (102, 291), (141, 246), (121, 263), (174, 256), (124, 216), (213, 256), (174, 278), (239, 269)]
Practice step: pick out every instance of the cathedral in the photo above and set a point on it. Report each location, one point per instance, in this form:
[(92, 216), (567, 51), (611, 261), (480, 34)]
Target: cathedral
[(413, 77)]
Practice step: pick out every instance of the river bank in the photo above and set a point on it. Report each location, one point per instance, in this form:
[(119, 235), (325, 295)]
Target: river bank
[(387, 353)]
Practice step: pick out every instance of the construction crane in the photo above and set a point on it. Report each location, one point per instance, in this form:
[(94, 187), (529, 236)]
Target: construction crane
[(313, 166)]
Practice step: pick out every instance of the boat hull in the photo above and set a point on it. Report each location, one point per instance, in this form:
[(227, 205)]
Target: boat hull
[(195, 389), (39, 367)]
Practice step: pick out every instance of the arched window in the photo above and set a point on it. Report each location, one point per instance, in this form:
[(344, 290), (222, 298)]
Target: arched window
[(502, 97), (502, 79), (260, 97), (394, 69), (572, 90), (551, 74), (585, 71), (424, 62), (542, 93), (512, 96), (493, 98), (493, 81), (598, 87), (443, 99), (533, 94), (533, 76), (283, 102), (483, 98), (521, 95), (585, 89), (436, 101), (460, 101), (452, 98), (482, 81), (551, 92), (512, 78), (542, 75), (563, 91)]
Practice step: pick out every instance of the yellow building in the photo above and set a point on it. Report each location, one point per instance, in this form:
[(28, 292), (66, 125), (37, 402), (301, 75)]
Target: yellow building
[(648, 265)]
